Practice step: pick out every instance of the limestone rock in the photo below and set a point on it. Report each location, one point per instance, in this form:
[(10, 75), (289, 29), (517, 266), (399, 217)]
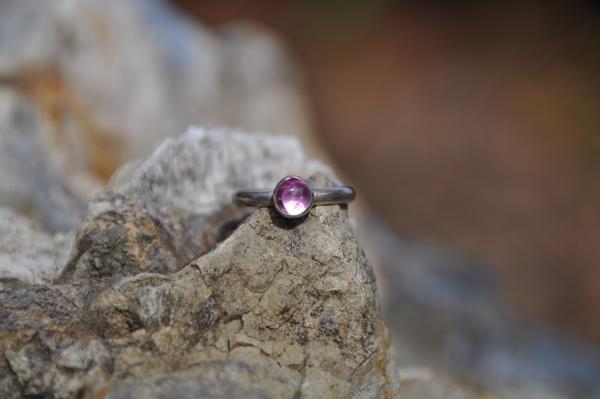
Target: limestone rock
[(273, 308)]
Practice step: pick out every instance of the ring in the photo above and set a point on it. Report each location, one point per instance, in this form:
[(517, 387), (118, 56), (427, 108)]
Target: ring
[(293, 197)]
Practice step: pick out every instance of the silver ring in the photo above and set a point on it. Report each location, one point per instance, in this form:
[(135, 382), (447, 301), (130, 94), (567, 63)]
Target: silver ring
[(293, 197)]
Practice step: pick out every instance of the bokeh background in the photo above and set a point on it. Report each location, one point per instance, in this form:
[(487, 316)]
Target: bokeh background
[(469, 124), (469, 128)]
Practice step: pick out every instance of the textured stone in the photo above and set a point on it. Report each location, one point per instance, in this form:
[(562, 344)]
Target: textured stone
[(160, 213), (275, 308), (255, 302)]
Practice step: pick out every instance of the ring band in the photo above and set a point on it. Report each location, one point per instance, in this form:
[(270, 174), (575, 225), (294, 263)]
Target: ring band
[(293, 197)]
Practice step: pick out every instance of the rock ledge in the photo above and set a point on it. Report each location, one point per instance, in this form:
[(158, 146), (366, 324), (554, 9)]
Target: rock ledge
[(277, 308)]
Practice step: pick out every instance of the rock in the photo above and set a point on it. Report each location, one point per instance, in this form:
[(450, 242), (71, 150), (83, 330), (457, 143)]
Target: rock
[(157, 215), (32, 180), (26, 252), (275, 308), (86, 86), (114, 78)]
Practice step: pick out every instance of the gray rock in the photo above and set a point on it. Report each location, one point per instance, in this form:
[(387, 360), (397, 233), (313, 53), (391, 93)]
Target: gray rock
[(32, 180), (28, 253), (142, 70), (159, 214), (86, 86), (277, 308)]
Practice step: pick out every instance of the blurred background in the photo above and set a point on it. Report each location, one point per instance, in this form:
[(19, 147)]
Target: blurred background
[(474, 125), (470, 129)]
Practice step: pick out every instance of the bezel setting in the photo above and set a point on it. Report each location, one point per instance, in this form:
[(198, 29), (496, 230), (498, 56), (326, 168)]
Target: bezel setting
[(280, 208)]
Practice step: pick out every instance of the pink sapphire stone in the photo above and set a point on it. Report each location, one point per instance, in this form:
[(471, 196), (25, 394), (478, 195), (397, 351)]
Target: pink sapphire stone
[(293, 197)]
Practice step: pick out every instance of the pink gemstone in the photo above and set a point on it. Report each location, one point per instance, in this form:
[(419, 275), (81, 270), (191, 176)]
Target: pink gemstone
[(293, 197)]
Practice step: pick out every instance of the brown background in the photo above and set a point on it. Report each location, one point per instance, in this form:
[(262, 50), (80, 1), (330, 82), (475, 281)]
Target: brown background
[(469, 125)]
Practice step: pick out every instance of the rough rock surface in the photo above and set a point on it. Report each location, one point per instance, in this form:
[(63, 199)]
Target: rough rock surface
[(276, 308), (88, 85), (159, 214)]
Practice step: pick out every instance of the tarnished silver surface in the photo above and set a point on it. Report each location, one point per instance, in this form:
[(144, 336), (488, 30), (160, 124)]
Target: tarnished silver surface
[(322, 196)]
